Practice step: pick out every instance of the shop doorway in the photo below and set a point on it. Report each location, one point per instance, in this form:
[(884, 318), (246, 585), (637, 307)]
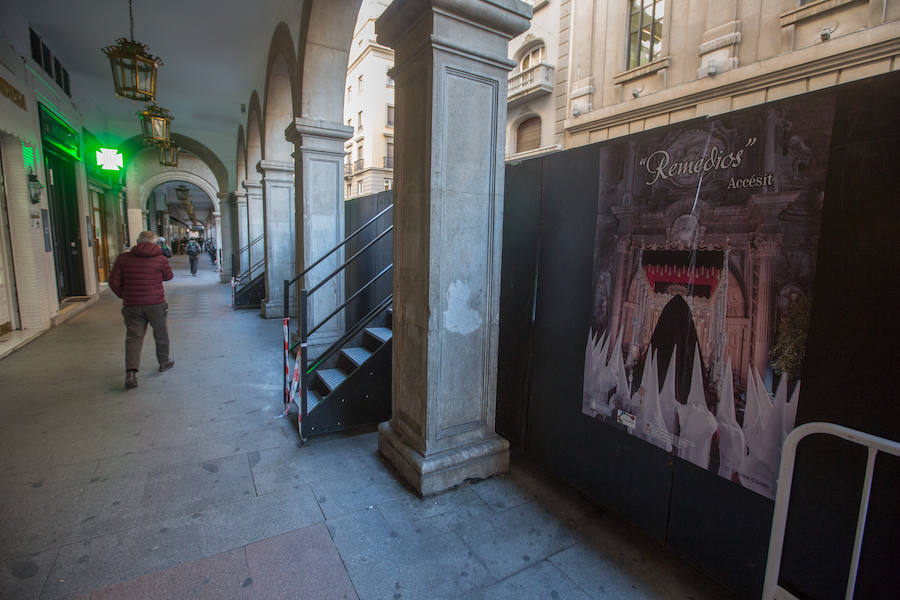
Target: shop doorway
[(8, 310), (65, 226), (98, 229)]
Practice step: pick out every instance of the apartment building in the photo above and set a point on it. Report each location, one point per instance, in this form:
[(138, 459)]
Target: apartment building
[(369, 109)]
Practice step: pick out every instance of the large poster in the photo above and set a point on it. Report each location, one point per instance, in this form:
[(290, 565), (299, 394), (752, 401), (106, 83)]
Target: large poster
[(705, 256)]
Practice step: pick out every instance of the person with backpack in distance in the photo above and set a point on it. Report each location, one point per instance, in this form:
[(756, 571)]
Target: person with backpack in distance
[(193, 250)]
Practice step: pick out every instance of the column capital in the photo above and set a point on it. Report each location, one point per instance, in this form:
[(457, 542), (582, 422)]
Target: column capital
[(504, 18), (279, 166), (252, 186), (305, 132)]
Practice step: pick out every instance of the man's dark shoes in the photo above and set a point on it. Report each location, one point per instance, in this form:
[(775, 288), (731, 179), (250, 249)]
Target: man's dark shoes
[(166, 365), (130, 380)]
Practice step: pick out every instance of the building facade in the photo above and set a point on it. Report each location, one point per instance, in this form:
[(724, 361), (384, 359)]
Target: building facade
[(531, 127), (624, 66), (369, 109)]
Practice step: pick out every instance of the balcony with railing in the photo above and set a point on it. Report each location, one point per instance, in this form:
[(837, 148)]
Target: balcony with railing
[(348, 169), (357, 165), (388, 162), (530, 83)]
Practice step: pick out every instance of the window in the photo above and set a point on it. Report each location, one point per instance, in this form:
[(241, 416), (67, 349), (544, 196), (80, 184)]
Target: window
[(57, 72), (388, 184), (532, 58), (36, 47), (389, 120), (349, 190), (349, 88), (359, 121), (389, 155), (644, 32), (359, 85), (47, 62), (359, 187), (528, 135)]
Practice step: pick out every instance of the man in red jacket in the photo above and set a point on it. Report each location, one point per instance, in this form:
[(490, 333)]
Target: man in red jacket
[(136, 278)]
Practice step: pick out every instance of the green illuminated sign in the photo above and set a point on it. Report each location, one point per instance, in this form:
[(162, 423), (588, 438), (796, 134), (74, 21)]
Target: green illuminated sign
[(109, 159)]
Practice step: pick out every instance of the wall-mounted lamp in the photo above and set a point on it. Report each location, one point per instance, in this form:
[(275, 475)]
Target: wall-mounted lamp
[(712, 68), (826, 32), (637, 91), (34, 187)]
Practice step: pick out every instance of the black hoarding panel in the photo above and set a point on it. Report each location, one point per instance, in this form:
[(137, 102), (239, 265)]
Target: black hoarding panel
[(522, 198), (720, 527), (851, 364), (621, 473)]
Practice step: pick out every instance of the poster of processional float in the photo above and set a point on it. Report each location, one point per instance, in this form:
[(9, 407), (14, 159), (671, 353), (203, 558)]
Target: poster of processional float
[(704, 261)]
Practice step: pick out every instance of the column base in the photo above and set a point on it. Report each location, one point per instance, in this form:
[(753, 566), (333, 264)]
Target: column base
[(224, 276), (443, 470), (272, 310)]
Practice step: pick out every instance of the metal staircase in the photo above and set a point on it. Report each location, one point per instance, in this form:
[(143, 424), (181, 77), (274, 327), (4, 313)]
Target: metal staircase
[(349, 383), (249, 285)]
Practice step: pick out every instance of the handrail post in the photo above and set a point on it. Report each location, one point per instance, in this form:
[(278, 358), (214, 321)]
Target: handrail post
[(287, 299), (303, 359), (287, 329)]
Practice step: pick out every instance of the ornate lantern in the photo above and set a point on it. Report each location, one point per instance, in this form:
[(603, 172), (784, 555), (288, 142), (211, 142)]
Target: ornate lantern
[(133, 67), (168, 154), (155, 123), (183, 193)]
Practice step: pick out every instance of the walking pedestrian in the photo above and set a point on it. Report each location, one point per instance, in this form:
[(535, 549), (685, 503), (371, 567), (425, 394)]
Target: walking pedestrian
[(137, 278), (193, 249)]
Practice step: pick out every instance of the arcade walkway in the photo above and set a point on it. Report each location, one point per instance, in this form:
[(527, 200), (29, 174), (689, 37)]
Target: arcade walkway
[(188, 487)]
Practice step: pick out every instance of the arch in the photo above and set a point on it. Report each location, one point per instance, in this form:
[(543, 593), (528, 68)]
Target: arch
[(241, 156), (176, 174), (253, 140), (326, 32), (526, 49), (135, 145), (281, 100)]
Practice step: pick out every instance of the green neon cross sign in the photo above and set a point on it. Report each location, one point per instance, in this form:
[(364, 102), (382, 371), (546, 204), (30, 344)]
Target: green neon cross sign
[(109, 159)]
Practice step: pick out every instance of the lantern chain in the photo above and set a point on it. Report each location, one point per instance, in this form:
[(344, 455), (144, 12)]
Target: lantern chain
[(131, 16)]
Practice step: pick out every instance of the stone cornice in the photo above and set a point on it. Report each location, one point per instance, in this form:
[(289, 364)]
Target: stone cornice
[(810, 10), (867, 46)]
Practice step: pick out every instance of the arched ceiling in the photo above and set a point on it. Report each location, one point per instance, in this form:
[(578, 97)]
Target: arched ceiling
[(199, 199), (214, 52)]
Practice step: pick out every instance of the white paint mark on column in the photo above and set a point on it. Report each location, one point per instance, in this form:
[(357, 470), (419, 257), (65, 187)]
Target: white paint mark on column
[(459, 316)]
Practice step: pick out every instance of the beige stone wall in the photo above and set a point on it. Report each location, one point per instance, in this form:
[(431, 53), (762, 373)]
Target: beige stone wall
[(717, 56)]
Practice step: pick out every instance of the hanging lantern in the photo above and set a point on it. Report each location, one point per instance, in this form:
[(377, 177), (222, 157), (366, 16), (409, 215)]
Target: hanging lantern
[(133, 67), (168, 154), (155, 123)]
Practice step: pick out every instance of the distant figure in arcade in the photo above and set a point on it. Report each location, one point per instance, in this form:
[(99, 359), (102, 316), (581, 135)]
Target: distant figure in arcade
[(193, 250), (137, 278), (165, 249)]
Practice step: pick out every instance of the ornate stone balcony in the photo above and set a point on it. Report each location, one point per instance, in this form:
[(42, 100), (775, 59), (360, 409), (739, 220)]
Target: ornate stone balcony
[(530, 83)]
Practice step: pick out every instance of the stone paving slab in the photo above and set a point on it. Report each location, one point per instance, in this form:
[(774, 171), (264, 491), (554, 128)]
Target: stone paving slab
[(222, 577), (300, 564), (541, 581)]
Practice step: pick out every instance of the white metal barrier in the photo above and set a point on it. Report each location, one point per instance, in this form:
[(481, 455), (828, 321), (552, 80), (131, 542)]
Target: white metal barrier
[(771, 589)]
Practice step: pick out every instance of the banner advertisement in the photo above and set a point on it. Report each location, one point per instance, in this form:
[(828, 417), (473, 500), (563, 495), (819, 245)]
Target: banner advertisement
[(704, 261)]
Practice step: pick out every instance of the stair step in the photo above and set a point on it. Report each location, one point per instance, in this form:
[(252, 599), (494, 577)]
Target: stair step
[(331, 377), (313, 399), (382, 334), (357, 355)]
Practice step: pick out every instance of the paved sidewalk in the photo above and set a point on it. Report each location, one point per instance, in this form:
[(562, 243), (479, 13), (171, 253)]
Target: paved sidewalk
[(189, 487)]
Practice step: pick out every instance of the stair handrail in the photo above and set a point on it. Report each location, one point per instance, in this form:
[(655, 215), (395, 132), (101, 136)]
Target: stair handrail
[(303, 300), (874, 445), (236, 258), (339, 246)]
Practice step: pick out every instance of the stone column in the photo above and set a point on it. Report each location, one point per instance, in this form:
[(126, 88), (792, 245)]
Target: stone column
[(720, 43), (240, 201), (227, 232), (319, 148), (255, 224), (278, 216), (451, 70)]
